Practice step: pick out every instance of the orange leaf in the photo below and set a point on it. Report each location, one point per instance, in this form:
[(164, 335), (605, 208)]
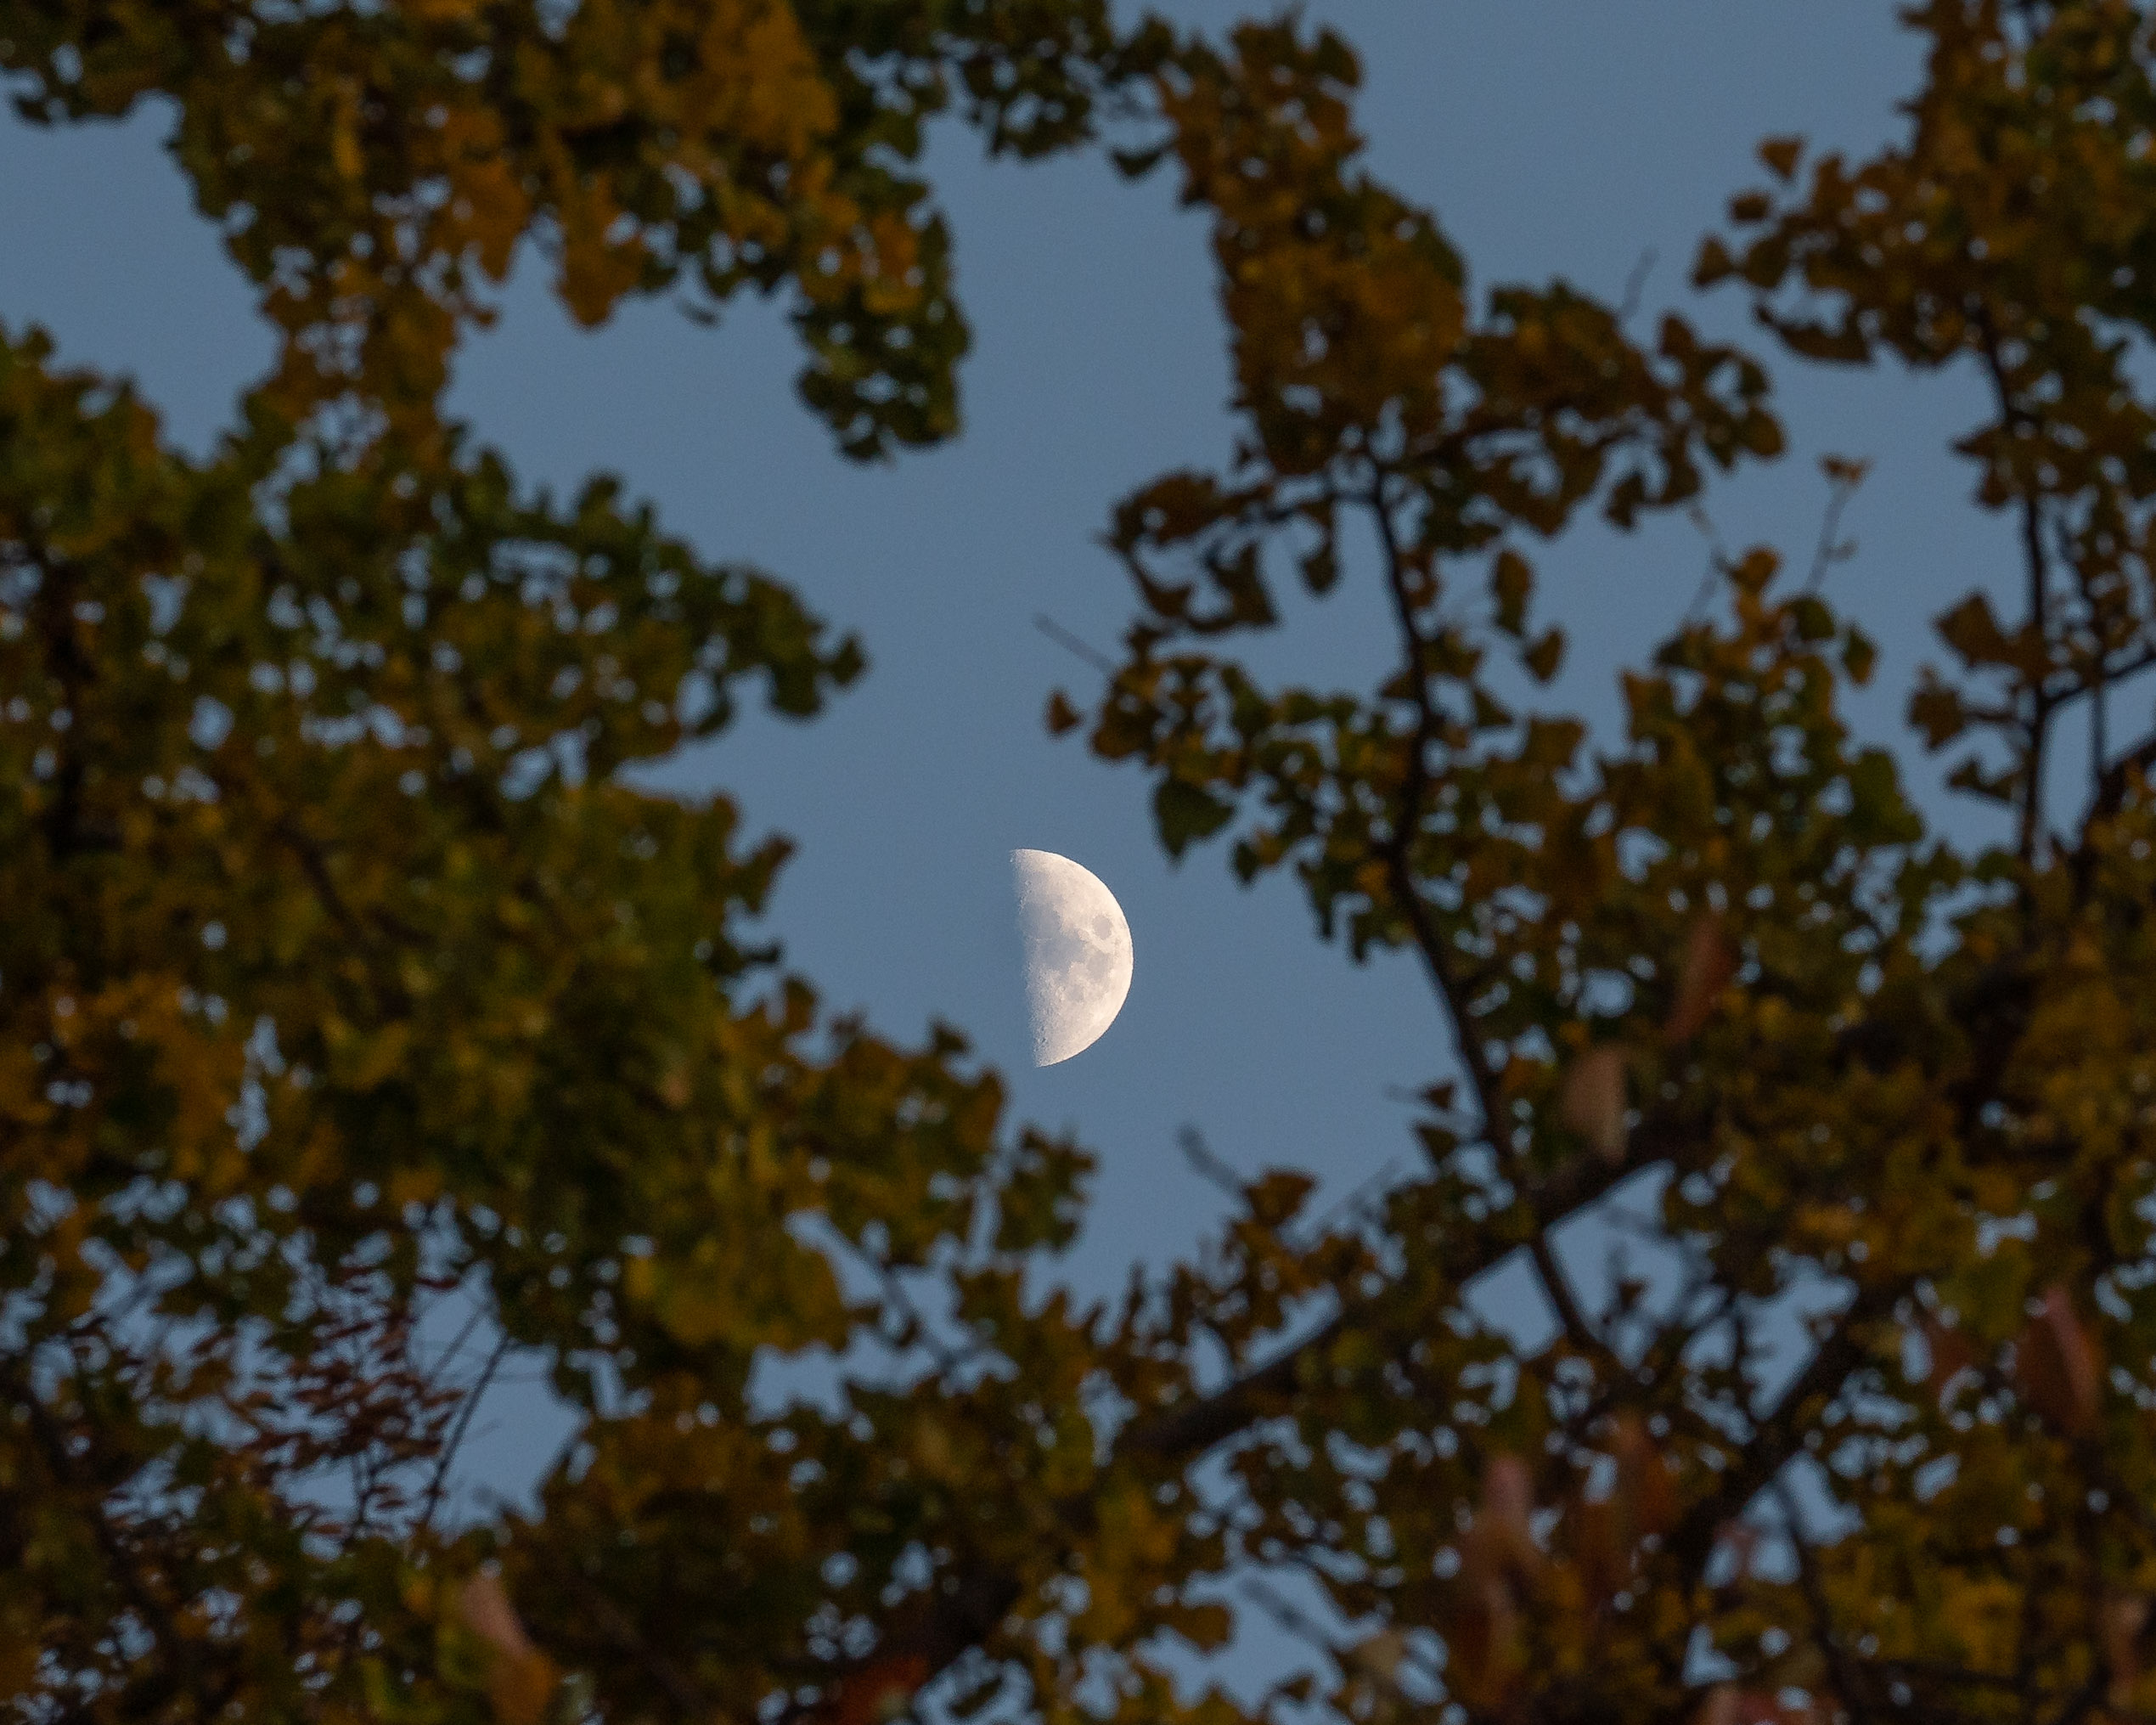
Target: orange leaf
[(1593, 1104), (1643, 1480), (520, 1680), (880, 1691), (1602, 1568), (1709, 963), (1508, 1502), (1950, 1351), (2056, 1365), (2125, 1616)]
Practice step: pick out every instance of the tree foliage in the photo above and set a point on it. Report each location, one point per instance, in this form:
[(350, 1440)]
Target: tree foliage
[(344, 971)]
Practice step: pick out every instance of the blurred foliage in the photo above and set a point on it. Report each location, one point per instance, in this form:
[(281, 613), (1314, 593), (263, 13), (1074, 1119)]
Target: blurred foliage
[(348, 983)]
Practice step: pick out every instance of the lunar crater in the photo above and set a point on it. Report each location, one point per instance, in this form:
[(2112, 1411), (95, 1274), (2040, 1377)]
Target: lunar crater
[(1078, 953)]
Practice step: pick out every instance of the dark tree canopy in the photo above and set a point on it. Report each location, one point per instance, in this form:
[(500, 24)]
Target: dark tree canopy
[(342, 967)]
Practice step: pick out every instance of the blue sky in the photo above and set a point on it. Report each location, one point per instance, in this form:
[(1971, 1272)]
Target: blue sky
[(1550, 137)]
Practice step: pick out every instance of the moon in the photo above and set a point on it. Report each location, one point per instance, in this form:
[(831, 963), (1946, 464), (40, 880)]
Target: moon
[(1078, 953)]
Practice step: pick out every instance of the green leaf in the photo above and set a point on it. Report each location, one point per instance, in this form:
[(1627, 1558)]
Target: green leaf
[(1183, 812)]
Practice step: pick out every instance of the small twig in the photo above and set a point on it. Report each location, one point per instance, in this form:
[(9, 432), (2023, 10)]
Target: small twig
[(1555, 1283), (1351, 1201), (1210, 1168), (618, 1628), (1718, 560), (1063, 638), (1847, 1679), (436, 1485), (951, 1362), (1635, 286), (1830, 549), (1397, 853)]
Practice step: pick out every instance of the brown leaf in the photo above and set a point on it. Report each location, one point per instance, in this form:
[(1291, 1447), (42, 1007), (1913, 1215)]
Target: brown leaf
[(1508, 1502), (1727, 1704), (2056, 1365), (1382, 1654), (1593, 1103), (2125, 1616), (520, 1680), (1710, 964), (1949, 1351), (880, 1691), (1601, 1565), (1643, 1483)]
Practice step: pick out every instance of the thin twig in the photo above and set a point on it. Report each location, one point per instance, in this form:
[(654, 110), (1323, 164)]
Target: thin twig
[(1830, 550), (1848, 1680), (1635, 286), (2038, 571), (432, 1500), (1063, 638), (1407, 823), (1208, 1167)]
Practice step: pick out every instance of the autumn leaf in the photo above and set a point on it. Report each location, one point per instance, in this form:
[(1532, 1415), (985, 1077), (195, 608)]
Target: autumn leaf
[(880, 1691), (2126, 1615), (1645, 1488), (1062, 716), (1948, 1352), (2057, 1368), (1593, 1103), (1708, 964), (520, 1680)]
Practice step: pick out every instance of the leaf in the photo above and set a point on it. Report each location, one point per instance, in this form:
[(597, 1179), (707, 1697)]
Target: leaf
[(1276, 1197), (1184, 812), (1548, 653), (1512, 583), (520, 1680), (1507, 1512), (1645, 1487), (1593, 1103), (1860, 654), (1780, 155), (1062, 717), (1708, 966), (1973, 630), (880, 1691), (2125, 1616), (1949, 1353), (2057, 1366), (1713, 265), (1383, 1654)]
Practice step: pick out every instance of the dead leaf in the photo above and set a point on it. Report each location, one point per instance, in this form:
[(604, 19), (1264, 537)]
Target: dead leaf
[(880, 1691), (520, 1680), (1708, 966), (2056, 1365), (1381, 1654), (1643, 1481), (1727, 1704), (1603, 1568), (1508, 1502), (1593, 1104), (2125, 1617), (1949, 1351)]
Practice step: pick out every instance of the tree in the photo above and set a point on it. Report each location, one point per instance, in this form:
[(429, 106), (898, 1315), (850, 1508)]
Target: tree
[(343, 967)]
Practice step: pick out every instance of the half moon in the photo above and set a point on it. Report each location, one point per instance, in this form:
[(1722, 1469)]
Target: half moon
[(1078, 953)]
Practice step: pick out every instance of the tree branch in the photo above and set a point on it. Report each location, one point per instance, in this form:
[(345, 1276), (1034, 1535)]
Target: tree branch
[(1407, 824)]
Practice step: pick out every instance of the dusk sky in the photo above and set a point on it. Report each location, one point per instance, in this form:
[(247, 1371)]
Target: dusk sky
[(1550, 139)]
